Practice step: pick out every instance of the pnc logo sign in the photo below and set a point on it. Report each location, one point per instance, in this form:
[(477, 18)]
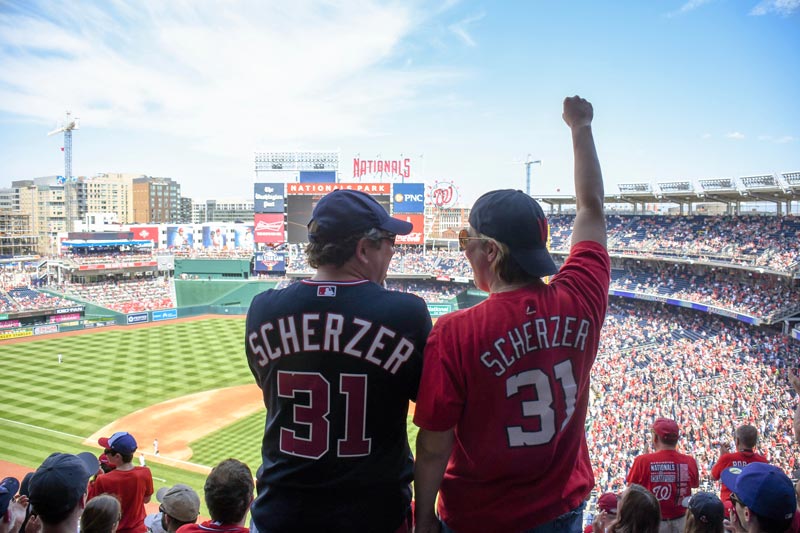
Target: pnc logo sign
[(400, 197)]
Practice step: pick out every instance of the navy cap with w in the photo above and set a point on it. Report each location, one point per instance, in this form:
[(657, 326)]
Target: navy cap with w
[(516, 220)]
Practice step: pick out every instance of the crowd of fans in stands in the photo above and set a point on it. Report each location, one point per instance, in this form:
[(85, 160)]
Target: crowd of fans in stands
[(754, 294), (125, 296), (708, 373)]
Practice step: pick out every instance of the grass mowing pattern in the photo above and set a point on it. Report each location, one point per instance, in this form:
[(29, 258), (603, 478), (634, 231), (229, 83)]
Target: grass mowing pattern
[(112, 373), (108, 374), (244, 437), (241, 440)]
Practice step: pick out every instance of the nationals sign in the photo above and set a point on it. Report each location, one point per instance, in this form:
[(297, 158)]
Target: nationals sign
[(369, 167), (443, 194)]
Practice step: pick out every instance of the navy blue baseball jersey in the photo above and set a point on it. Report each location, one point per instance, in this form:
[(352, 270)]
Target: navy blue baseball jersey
[(337, 363)]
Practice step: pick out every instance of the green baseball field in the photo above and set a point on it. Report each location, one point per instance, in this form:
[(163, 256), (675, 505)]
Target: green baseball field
[(186, 383)]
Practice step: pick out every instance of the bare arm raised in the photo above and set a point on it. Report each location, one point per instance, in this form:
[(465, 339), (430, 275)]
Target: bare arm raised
[(590, 222)]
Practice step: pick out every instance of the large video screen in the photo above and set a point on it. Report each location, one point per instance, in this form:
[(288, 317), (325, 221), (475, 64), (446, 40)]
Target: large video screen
[(298, 213)]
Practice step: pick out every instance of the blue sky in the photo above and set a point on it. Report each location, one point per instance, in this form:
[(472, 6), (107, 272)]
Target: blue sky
[(190, 89)]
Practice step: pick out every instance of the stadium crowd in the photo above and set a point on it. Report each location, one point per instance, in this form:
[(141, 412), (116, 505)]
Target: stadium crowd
[(752, 240), (124, 296), (710, 374), (754, 294)]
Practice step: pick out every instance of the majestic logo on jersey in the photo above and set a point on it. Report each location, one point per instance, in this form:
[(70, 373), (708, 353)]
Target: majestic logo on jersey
[(327, 290)]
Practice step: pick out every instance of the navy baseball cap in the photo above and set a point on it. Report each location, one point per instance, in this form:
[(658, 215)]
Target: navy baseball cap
[(60, 482), (764, 488), (707, 508), (516, 220), (343, 213), (8, 489), (121, 441)]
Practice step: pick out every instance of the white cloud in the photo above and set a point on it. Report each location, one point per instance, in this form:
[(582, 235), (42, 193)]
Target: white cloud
[(691, 5), (785, 139), (779, 7), (705, 136), (735, 135), (227, 75), (460, 29)]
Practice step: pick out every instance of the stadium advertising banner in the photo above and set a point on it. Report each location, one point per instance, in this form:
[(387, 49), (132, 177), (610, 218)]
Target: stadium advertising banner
[(137, 318), (417, 235), (215, 237), (269, 228), (268, 198), (270, 261), (15, 334), (243, 235), (45, 330), (311, 176), (436, 310), (325, 188), (408, 198), (180, 237), (302, 197), (146, 233), (164, 314)]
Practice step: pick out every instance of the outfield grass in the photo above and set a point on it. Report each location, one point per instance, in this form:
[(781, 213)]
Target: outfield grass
[(49, 407), (105, 375)]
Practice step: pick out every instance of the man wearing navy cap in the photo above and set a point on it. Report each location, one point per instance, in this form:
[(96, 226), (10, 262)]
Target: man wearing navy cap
[(763, 498), (338, 358), (132, 485), (57, 490), (505, 386)]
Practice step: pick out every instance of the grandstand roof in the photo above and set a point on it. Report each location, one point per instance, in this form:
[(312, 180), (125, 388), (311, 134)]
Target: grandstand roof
[(776, 188)]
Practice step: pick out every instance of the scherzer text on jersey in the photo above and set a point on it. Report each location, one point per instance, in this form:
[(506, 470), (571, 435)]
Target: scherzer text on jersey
[(314, 332), (534, 335)]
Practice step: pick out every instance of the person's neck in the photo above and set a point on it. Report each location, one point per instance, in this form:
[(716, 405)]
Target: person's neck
[(125, 467), (502, 286), (68, 525), (344, 273)]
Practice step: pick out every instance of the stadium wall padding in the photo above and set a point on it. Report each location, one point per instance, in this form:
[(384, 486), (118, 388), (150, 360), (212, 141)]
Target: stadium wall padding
[(193, 293), (213, 268)]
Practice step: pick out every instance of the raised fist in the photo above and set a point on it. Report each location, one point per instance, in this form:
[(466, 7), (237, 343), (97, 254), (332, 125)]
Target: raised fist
[(577, 112)]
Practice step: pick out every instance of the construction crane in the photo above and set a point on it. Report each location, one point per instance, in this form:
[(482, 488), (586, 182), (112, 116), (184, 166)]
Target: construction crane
[(528, 164), (66, 127)]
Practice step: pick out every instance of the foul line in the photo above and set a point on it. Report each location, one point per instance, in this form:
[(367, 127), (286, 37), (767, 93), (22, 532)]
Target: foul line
[(41, 428)]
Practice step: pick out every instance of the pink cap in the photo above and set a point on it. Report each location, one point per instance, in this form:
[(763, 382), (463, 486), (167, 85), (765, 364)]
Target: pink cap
[(665, 427)]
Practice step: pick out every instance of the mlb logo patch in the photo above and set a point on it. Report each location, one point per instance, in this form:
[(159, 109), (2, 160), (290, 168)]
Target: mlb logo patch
[(327, 290)]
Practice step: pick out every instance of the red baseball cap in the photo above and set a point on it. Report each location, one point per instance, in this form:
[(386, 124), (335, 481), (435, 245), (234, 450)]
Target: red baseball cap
[(665, 427), (608, 502)]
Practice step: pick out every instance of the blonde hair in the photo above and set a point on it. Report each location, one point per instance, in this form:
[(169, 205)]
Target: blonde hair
[(101, 514), (505, 266)]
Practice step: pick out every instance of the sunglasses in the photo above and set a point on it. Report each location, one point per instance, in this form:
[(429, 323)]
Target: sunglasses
[(391, 237), (735, 499), (464, 238)]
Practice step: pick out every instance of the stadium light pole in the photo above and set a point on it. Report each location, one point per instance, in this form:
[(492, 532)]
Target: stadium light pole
[(528, 164)]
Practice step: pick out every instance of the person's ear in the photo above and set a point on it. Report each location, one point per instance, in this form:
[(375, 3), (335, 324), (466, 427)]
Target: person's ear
[(490, 249)]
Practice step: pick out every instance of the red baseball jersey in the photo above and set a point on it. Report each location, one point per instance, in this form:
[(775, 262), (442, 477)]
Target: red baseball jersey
[(131, 487), (668, 474), (512, 376), (740, 459)]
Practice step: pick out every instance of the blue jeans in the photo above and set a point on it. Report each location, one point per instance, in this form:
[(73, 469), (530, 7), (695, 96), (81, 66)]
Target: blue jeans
[(569, 522)]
